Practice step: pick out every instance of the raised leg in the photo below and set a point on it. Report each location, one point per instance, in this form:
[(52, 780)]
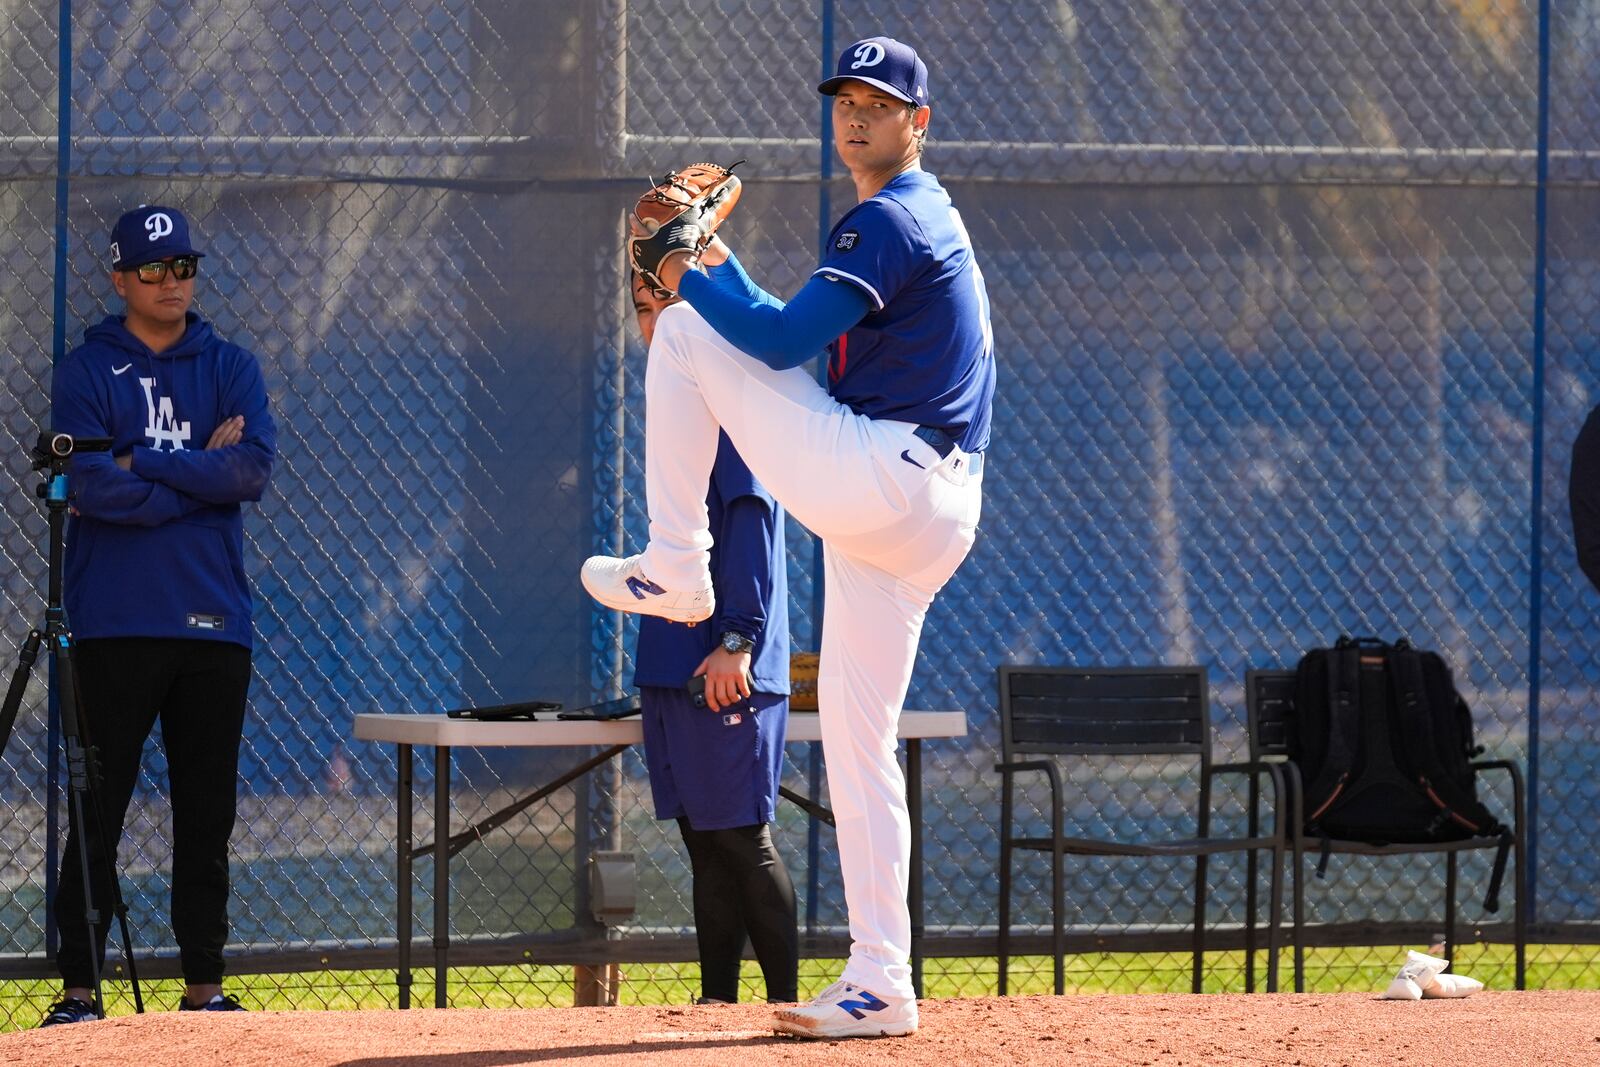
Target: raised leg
[(842, 475)]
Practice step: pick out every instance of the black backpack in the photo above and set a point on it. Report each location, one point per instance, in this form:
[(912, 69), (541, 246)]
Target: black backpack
[(1384, 746)]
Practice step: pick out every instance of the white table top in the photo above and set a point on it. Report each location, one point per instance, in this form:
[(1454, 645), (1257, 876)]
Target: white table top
[(548, 731)]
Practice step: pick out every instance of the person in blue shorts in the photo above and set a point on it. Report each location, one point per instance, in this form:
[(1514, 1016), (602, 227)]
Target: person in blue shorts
[(716, 768), (884, 463)]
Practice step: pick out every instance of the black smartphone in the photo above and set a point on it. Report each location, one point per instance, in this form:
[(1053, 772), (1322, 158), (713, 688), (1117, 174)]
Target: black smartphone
[(607, 709), (526, 710), (697, 690)]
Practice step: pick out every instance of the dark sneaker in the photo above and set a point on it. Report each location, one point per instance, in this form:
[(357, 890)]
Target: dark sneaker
[(216, 1003), (69, 1010)]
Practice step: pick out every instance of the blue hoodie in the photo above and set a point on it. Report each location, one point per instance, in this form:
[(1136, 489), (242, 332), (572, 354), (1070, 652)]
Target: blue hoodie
[(158, 550)]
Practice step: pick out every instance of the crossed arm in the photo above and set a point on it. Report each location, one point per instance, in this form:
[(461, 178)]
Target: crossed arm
[(146, 487)]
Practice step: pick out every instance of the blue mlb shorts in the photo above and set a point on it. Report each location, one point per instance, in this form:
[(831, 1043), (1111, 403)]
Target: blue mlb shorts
[(721, 769)]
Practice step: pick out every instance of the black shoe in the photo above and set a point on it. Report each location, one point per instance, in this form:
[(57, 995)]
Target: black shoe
[(220, 1002), (710, 1000), (69, 1010)]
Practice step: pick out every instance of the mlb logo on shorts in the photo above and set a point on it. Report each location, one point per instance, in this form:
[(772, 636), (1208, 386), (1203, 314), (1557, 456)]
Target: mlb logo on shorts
[(733, 718), (846, 240)]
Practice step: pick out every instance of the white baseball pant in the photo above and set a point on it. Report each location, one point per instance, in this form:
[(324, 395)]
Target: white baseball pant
[(895, 521)]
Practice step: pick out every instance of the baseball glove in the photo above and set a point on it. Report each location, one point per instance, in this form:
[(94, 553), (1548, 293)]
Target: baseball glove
[(680, 213)]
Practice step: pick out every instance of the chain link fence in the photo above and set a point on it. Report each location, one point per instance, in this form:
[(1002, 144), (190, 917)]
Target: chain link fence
[(1275, 365)]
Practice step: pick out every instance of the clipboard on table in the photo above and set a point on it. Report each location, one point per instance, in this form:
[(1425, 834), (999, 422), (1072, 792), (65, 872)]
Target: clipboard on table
[(525, 710)]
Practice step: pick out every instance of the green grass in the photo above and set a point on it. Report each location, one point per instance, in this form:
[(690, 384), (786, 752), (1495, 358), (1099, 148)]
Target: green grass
[(1328, 970)]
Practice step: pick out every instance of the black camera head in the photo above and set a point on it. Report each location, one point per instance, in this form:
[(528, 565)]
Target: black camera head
[(53, 447)]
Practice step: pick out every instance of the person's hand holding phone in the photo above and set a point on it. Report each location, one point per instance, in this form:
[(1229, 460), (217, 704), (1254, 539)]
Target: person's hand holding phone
[(727, 677)]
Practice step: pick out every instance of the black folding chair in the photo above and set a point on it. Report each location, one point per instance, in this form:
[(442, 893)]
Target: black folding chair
[(1269, 698), (1123, 711)]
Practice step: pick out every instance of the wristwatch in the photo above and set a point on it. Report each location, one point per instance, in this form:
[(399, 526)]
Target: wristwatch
[(734, 641)]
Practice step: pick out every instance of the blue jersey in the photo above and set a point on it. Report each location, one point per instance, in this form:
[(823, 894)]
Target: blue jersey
[(925, 352), (748, 570)]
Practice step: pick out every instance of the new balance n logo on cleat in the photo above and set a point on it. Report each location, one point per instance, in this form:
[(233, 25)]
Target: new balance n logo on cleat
[(622, 584), (862, 1002), (642, 587), (848, 1010)]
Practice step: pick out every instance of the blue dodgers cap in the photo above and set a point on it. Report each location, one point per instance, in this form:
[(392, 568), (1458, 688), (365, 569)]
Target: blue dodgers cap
[(147, 233), (886, 63)]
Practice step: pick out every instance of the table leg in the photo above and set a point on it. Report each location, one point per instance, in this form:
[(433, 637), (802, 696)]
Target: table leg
[(441, 874), (402, 976), (914, 901)]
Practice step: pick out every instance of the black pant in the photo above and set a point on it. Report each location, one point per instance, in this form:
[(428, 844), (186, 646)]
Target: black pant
[(197, 689), (740, 886)]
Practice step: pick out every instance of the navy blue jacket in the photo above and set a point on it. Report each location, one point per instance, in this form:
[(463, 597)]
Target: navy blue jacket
[(158, 550)]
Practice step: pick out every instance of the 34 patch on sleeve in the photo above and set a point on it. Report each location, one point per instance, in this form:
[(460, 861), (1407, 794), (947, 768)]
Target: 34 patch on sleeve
[(846, 240)]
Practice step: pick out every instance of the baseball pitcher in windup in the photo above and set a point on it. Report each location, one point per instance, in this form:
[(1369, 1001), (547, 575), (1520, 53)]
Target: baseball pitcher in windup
[(884, 465)]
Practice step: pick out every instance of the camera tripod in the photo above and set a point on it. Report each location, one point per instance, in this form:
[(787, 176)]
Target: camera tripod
[(52, 456)]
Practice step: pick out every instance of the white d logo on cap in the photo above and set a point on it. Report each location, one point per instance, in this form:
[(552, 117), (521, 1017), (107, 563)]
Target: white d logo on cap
[(868, 55), (159, 225)]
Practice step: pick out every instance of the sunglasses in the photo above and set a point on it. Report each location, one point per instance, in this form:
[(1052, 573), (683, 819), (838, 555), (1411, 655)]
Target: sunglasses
[(183, 268)]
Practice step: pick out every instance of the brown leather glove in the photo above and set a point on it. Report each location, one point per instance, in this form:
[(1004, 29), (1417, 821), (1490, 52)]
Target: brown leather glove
[(680, 213)]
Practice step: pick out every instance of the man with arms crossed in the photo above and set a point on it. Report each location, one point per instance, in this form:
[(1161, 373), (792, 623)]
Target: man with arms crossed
[(884, 465), (155, 587)]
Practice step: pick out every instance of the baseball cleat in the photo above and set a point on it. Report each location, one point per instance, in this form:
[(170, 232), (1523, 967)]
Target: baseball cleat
[(216, 1003), (69, 1010), (621, 584), (846, 1010)]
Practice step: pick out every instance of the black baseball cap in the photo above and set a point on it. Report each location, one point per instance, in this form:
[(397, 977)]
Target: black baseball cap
[(147, 233), (884, 63)]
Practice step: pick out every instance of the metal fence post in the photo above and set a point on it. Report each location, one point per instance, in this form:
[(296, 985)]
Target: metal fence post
[(1529, 878), (58, 348)]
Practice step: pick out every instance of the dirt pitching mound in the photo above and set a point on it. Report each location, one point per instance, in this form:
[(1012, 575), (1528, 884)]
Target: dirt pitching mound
[(1541, 1028)]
